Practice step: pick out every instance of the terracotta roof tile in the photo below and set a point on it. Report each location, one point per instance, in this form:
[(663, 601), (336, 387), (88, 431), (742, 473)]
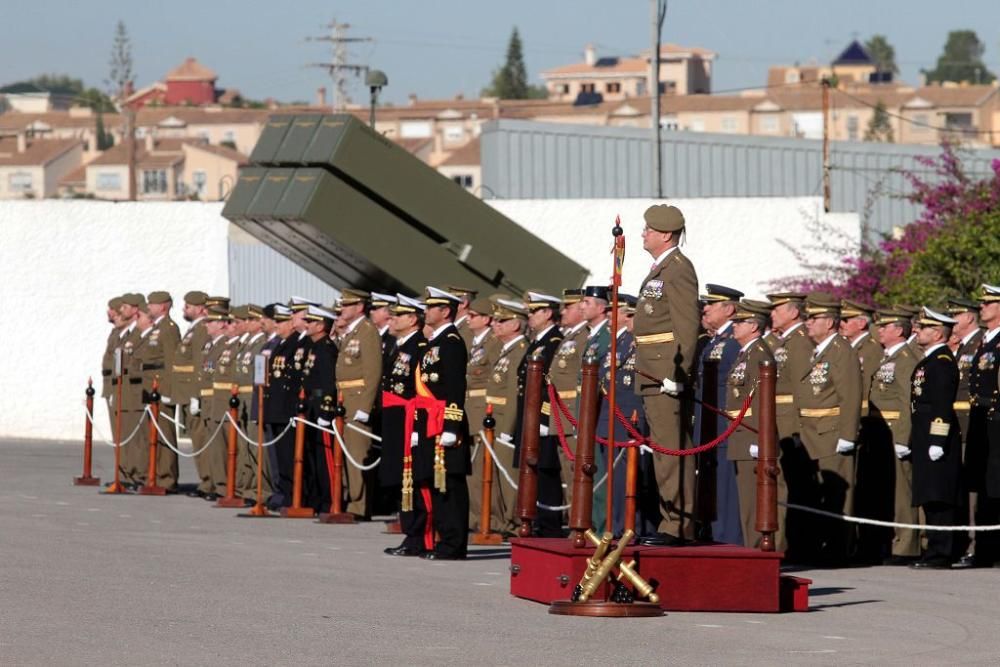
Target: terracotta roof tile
[(466, 155), (221, 151), (39, 152), (191, 70), (75, 177)]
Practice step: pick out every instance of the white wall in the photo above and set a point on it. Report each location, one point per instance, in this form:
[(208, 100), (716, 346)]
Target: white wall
[(732, 241), (60, 262)]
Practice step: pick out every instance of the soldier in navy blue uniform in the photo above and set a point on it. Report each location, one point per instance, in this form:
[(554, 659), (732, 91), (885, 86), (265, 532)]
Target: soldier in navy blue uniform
[(320, 384), (717, 358), (442, 378), (280, 400), (935, 442), (544, 338), (399, 381)]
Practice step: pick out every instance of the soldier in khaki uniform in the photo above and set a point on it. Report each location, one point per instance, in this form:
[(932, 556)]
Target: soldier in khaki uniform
[(166, 336), (502, 389), (484, 350), (210, 408), (108, 358), (792, 349), (855, 323), (666, 335), (828, 398), (146, 362), (749, 321), (888, 426), (184, 374), (256, 338), (466, 296), (359, 377), (131, 406), (564, 375)]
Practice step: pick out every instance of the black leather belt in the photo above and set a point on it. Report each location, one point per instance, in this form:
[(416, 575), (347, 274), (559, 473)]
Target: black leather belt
[(106, 373), (152, 367), (135, 380)]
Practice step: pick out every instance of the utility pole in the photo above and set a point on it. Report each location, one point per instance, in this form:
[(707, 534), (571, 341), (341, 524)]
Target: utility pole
[(130, 148), (659, 13), (338, 67), (826, 143)]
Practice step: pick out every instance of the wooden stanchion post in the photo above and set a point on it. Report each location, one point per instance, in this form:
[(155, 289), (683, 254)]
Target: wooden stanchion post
[(151, 488), (485, 535), (616, 280), (87, 479), (117, 486), (767, 465), (631, 479), (337, 513), (259, 509), (296, 511), (582, 508), (527, 480), (230, 500)]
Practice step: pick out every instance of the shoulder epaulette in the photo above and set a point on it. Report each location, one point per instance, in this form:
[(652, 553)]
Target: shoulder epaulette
[(944, 357), (422, 343), (905, 351), (452, 334)]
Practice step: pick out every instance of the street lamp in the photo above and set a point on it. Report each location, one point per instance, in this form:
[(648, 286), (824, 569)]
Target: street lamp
[(375, 79)]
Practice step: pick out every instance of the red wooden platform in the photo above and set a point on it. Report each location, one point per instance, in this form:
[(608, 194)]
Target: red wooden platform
[(701, 577)]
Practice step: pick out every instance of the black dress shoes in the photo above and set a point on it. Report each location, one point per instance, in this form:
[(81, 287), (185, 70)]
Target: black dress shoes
[(211, 497), (899, 561), (403, 550), (433, 555), (661, 540), (195, 494), (931, 564)]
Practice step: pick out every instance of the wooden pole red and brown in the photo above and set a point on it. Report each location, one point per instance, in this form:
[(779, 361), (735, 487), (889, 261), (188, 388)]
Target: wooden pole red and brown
[(230, 499), (527, 480), (151, 488), (582, 508), (87, 478), (485, 535), (259, 509), (616, 281), (767, 465), (296, 511), (336, 513)]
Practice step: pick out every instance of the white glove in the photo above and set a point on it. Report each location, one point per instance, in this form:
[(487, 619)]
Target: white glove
[(505, 437), (194, 407), (448, 439), (543, 430), (165, 400), (323, 422), (935, 452), (902, 451), (670, 387), (414, 439), (361, 416), (754, 451), (844, 446), (645, 449)]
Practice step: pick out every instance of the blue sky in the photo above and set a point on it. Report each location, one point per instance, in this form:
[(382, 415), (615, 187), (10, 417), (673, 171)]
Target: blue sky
[(440, 48)]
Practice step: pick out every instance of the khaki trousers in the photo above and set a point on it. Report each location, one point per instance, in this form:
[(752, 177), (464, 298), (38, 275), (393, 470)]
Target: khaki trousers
[(167, 469), (197, 431), (674, 474), (746, 484), (354, 479), (905, 541)]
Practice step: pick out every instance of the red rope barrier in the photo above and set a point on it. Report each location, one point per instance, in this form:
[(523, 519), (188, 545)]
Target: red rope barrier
[(638, 438)]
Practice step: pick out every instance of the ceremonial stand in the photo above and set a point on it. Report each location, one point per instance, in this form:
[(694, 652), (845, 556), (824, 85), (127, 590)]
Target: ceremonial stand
[(87, 479), (485, 536), (151, 488), (297, 511), (337, 513)]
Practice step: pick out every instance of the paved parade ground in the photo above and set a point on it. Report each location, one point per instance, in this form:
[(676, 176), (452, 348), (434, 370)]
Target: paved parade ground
[(100, 580)]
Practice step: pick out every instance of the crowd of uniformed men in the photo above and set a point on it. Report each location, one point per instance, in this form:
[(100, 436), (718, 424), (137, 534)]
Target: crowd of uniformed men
[(887, 413)]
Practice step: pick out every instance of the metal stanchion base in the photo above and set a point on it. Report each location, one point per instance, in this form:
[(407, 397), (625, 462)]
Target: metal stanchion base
[(336, 517), (258, 512), (486, 539), (152, 490), (86, 481), (230, 503), (605, 609), (298, 512)]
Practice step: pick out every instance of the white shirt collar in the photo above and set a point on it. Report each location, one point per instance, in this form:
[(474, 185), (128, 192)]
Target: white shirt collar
[(303, 335), (664, 255), (232, 339), (572, 330), (929, 351), (621, 331), (991, 334), (912, 338), (538, 336), (825, 344), (383, 329), (725, 325), (857, 341), (256, 336), (747, 346), (478, 338), (353, 325), (437, 332), (460, 320), (401, 341), (158, 320), (509, 344), (969, 335), (892, 350), (143, 334), (127, 330), (791, 329), (271, 335), (216, 339), (594, 330)]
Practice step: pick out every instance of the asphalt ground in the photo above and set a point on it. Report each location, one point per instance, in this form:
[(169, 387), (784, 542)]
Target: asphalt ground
[(87, 579)]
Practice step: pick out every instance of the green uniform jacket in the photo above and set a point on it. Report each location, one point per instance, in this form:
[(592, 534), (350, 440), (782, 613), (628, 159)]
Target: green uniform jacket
[(889, 398), (211, 350), (243, 372), (501, 390), (869, 353), (132, 389), (564, 375), (741, 379), (792, 358), (108, 362), (187, 363), (667, 319), (223, 379), (828, 398), (359, 368), (483, 357), (166, 336)]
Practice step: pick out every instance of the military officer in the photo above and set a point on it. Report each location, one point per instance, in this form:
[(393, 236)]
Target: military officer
[(982, 451), (503, 390), (280, 402), (717, 483), (359, 373), (108, 359), (168, 337), (379, 316), (828, 398), (132, 405), (935, 444), (466, 296), (887, 430), (855, 324), (484, 350), (792, 349), (966, 337), (320, 384), (256, 339), (184, 379), (749, 320), (399, 388), (666, 333), (146, 363), (914, 313), (555, 474), (215, 388)]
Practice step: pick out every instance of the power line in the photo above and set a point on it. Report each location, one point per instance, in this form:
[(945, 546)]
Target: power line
[(339, 67), (913, 121)]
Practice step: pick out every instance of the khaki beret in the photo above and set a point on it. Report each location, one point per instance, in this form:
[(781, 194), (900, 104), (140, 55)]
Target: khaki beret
[(115, 303), (779, 298), (196, 298), (822, 303), (850, 308), (159, 297), (133, 299), (664, 218), (885, 316), (749, 309), (217, 301), (482, 306), (351, 296)]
